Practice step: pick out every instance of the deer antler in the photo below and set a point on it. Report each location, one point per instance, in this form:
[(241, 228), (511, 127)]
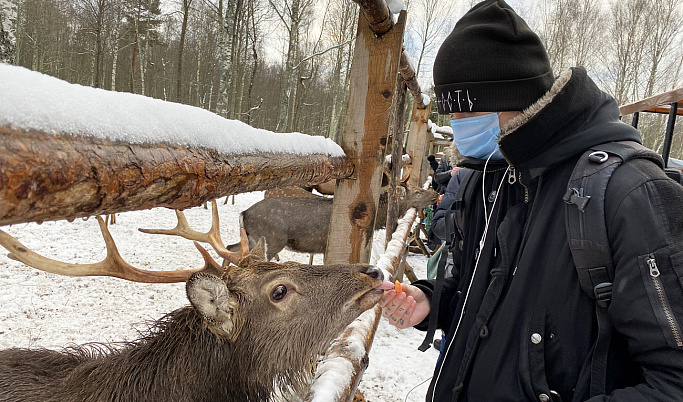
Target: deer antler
[(212, 237), (112, 265)]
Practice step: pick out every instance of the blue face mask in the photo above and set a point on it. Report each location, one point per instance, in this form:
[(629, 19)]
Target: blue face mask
[(476, 136)]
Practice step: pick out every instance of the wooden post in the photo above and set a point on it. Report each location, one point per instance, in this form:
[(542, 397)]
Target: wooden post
[(393, 193), (418, 145), (373, 79)]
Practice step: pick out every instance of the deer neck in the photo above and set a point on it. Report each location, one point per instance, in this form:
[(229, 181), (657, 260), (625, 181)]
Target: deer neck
[(177, 359)]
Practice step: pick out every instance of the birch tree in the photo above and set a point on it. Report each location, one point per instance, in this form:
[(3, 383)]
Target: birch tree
[(227, 14), (8, 31)]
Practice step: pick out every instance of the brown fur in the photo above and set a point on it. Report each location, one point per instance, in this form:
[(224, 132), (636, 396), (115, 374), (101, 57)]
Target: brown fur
[(236, 344), (302, 223)]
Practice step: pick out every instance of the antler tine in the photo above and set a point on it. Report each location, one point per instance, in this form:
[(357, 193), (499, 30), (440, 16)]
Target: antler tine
[(112, 265), (212, 237), (209, 262)]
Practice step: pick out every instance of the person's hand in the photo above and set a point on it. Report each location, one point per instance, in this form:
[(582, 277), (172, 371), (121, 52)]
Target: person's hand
[(455, 169), (438, 201), (405, 309)]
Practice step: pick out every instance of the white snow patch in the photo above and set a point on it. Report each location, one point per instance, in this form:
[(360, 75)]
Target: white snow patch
[(33, 101)]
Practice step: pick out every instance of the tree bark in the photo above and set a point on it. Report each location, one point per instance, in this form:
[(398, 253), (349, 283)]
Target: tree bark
[(51, 177), (396, 154), (8, 38)]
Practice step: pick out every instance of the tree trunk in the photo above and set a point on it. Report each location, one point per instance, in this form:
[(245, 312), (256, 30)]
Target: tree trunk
[(86, 176), (135, 47), (227, 30), (115, 53), (288, 79), (181, 48), (8, 30)]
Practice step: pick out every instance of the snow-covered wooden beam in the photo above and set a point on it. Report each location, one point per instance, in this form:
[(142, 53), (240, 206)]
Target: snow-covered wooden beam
[(68, 151), (379, 18), (342, 368)]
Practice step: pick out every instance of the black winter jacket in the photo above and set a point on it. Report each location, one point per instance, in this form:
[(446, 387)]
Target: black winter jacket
[(528, 327), (442, 174)]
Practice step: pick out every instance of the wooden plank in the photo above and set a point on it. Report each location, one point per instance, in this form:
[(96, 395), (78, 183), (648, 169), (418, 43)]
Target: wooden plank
[(51, 177), (667, 110), (373, 79), (418, 146), (393, 193), (652, 102)]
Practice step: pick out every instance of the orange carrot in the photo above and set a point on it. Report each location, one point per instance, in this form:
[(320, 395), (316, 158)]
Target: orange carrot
[(397, 287)]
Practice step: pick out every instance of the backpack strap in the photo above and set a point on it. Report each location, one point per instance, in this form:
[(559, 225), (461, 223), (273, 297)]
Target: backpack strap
[(588, 241)]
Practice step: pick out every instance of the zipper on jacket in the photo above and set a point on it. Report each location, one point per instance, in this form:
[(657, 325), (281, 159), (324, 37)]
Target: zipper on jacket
[(654, 274), (513, 177)]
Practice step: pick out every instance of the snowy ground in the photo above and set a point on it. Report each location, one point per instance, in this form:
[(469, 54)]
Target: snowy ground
[(39, 309)]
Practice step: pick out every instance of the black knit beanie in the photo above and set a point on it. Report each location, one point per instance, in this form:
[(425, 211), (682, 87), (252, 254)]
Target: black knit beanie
[(491, 62)]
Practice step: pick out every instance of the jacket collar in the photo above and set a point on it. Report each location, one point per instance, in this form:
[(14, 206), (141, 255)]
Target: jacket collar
[(571, 117)]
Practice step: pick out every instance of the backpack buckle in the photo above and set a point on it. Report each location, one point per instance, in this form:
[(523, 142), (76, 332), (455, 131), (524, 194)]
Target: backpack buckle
[(573, 196), (603, 294)]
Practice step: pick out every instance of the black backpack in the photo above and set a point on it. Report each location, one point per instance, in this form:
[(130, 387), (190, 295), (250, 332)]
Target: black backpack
[(587, 236)]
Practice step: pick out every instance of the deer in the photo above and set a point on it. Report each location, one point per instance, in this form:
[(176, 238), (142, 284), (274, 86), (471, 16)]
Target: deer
[(253, 327), (302, 223)]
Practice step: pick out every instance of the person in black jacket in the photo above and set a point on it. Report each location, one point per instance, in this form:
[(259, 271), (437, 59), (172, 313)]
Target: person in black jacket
[(443, 172), (519, 327)]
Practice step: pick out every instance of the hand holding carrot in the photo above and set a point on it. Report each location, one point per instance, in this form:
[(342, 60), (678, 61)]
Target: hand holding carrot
[(404, 306)]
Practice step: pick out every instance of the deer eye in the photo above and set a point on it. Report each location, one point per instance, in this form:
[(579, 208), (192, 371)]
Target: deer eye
[(279, 293)]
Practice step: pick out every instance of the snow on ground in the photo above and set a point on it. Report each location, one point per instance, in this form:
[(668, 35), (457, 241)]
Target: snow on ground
[(46, 310)]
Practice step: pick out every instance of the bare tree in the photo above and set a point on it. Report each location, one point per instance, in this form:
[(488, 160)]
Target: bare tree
[(434, 23), (8, 30), (94, 14), (227, 19), (186, 4), (340, 27), (569, 29), (292, 13)]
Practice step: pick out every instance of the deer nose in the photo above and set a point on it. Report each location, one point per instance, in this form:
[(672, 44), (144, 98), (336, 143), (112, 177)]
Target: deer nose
[(375, 273)]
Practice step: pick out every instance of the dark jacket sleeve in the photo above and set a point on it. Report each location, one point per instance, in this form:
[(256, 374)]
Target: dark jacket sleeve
[(645, 226), (449, 291), (438, 227)]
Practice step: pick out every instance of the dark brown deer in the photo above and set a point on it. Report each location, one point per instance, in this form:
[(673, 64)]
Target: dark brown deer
[(302, 223), (252, 327)]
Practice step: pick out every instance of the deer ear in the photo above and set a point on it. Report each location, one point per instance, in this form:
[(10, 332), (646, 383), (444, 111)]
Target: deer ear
[(211, 298)]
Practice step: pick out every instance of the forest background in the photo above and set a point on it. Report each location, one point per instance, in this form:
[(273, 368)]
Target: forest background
[(284, 65)]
